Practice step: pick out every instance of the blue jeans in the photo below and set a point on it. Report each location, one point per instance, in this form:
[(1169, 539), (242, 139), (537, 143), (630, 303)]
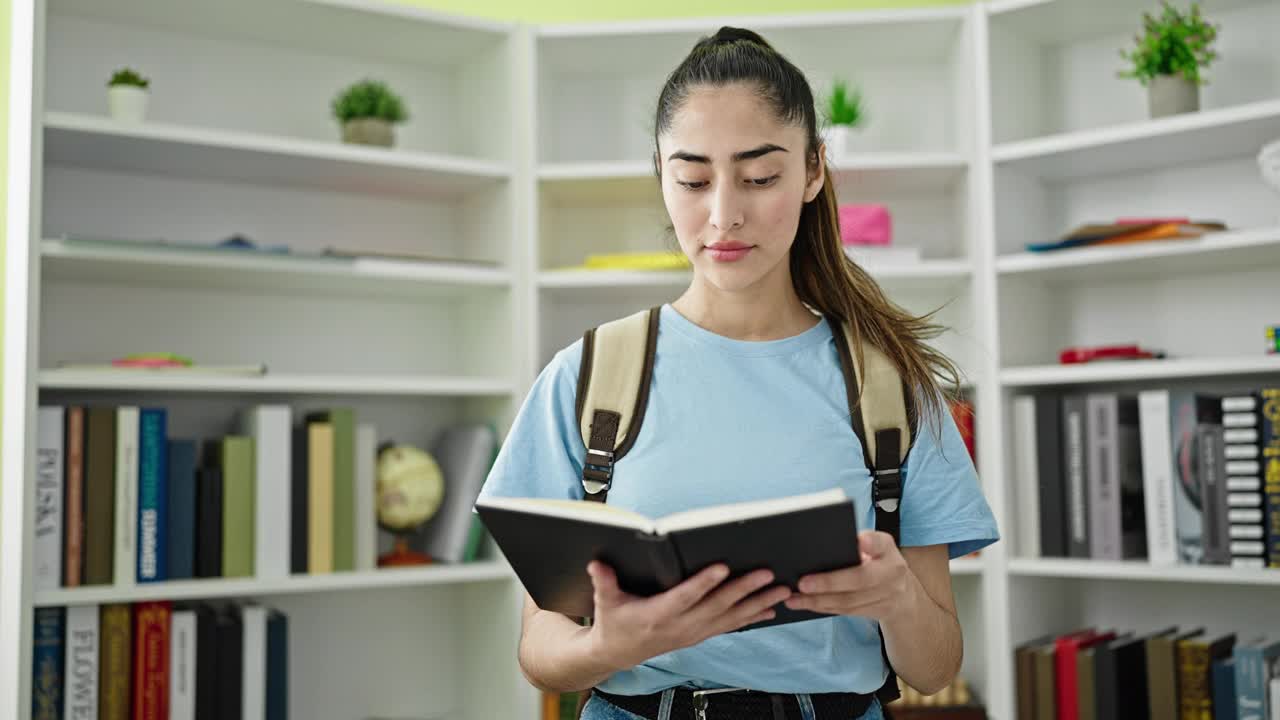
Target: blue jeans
[(600, 709)]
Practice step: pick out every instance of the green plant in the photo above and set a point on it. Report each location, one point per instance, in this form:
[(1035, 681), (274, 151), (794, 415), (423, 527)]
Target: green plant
[(845, 105), (369, 99), (126, 76), (1173, 43)]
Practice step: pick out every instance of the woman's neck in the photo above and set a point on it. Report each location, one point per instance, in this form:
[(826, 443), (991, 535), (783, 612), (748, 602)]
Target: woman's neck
[(754, 314)]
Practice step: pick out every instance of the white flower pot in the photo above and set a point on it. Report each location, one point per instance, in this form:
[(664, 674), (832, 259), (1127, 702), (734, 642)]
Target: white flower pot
[(128, 103), (1172, 95), (837, 139)]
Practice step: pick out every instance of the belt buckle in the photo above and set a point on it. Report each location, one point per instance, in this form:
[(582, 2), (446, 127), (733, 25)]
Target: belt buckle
[(701, 701)]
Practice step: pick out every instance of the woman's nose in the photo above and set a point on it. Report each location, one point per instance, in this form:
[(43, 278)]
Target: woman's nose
[(726, 208)]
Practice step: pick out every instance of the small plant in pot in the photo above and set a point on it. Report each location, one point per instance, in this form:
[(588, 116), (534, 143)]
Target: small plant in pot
[(845, 112), (1168, 58), (368, 112), (127, 94)]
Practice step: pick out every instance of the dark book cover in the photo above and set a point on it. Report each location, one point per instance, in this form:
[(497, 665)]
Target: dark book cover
[(48, 644), (153, 493), (208, 559), (1133, 500), (1131, 694), (1223, 680), (550, 549), (206, 663), (299, 497), (182, 508), (100, 495), (1211, 470), (1052, 479), (1075, 431), (277, 666), (229, 631), (1105, 700)]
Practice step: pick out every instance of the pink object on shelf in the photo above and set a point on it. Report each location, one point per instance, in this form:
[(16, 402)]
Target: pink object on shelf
[(865, 225)]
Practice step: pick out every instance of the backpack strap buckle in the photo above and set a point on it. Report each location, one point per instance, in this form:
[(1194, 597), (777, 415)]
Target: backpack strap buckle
[(887, 489)]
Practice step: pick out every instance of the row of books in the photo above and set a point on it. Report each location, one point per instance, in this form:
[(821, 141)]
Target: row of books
[(1173, 477), (157, 660), (119, 501), (1092, 674)]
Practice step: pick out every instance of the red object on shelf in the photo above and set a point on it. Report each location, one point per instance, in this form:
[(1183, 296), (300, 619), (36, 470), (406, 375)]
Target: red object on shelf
[(1073, 355)]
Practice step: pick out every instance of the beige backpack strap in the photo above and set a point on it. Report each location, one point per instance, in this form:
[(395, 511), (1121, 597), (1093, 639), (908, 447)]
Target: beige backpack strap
[(613, 392), (882, 422)]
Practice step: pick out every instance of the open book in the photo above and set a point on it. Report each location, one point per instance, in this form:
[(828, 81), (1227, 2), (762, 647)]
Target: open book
[(550, 542)]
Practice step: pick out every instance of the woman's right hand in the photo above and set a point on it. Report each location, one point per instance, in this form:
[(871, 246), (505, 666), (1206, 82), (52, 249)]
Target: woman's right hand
[(628, 630)]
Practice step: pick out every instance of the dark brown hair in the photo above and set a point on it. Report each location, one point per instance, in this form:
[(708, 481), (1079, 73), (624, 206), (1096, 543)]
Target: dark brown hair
[(823, 275)]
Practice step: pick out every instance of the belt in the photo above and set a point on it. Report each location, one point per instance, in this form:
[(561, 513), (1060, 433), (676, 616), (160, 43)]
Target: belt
[(739, 704)]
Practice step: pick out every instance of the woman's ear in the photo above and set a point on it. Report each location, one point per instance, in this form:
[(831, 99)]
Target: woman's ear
[(657, 164), (818, 174)]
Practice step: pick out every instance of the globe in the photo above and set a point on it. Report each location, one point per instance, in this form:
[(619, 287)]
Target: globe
[(410, 489)]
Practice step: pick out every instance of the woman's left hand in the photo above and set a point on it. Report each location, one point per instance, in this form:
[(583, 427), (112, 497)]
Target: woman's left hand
[(880, 588)]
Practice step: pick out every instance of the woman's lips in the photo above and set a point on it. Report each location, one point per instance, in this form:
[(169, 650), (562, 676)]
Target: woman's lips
[(728, 252)]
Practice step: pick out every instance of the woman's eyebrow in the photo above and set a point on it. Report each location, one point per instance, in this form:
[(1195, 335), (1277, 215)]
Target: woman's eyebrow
[(737, 157)]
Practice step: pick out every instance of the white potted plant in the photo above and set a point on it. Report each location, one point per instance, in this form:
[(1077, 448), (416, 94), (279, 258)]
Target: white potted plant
[(1169, 56), (845, 112), (368, 112), (127, 94)]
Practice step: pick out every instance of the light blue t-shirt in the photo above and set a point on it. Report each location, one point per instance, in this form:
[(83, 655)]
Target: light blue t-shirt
[(729, 421)]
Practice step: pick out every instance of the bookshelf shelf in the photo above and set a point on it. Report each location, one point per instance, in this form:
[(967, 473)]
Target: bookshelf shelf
[(98, 142), (1140, 370), (282, 383), (144, 265), (933, 274), (1142, 572), (102, 262), (1166, 142), (490, 571), (1224, 251)]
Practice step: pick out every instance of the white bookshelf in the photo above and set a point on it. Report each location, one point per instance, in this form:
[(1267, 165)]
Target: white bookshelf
[(992, 126)]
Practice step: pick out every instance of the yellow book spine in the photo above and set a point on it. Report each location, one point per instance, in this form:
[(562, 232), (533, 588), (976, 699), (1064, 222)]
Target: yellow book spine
[(320, 497)]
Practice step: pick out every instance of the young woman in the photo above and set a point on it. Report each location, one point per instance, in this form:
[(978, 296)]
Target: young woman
[(748, 402)]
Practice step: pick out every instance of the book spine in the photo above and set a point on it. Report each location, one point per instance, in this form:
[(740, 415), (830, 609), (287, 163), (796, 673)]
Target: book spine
[(299, 538), (82, 656), (73, 500), (128, 420), (1075, 430), (48, 643), (1224, 689), (151, 660), (1102, 471), (100, 496), (270, 428), (1251, 703), (47, 551), (1194, 701), (152, 493), (1238, 447), (208, 562), (344, 535), (229, 676), (182, 665), (320, 497), (1157, 477), (254, 664), (1028, 486), (237, 506), (366, 516), (117, 662), (277, 666), (182, 508), (1133, 521), (1051, 476), (1213, 532), (1269, 444)]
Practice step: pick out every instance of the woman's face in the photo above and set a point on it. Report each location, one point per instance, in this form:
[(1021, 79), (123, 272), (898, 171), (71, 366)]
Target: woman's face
[(734, 179)]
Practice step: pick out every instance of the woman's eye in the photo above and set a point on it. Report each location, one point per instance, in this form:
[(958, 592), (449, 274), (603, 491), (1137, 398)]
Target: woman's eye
[(763, 182), (693, 185)]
